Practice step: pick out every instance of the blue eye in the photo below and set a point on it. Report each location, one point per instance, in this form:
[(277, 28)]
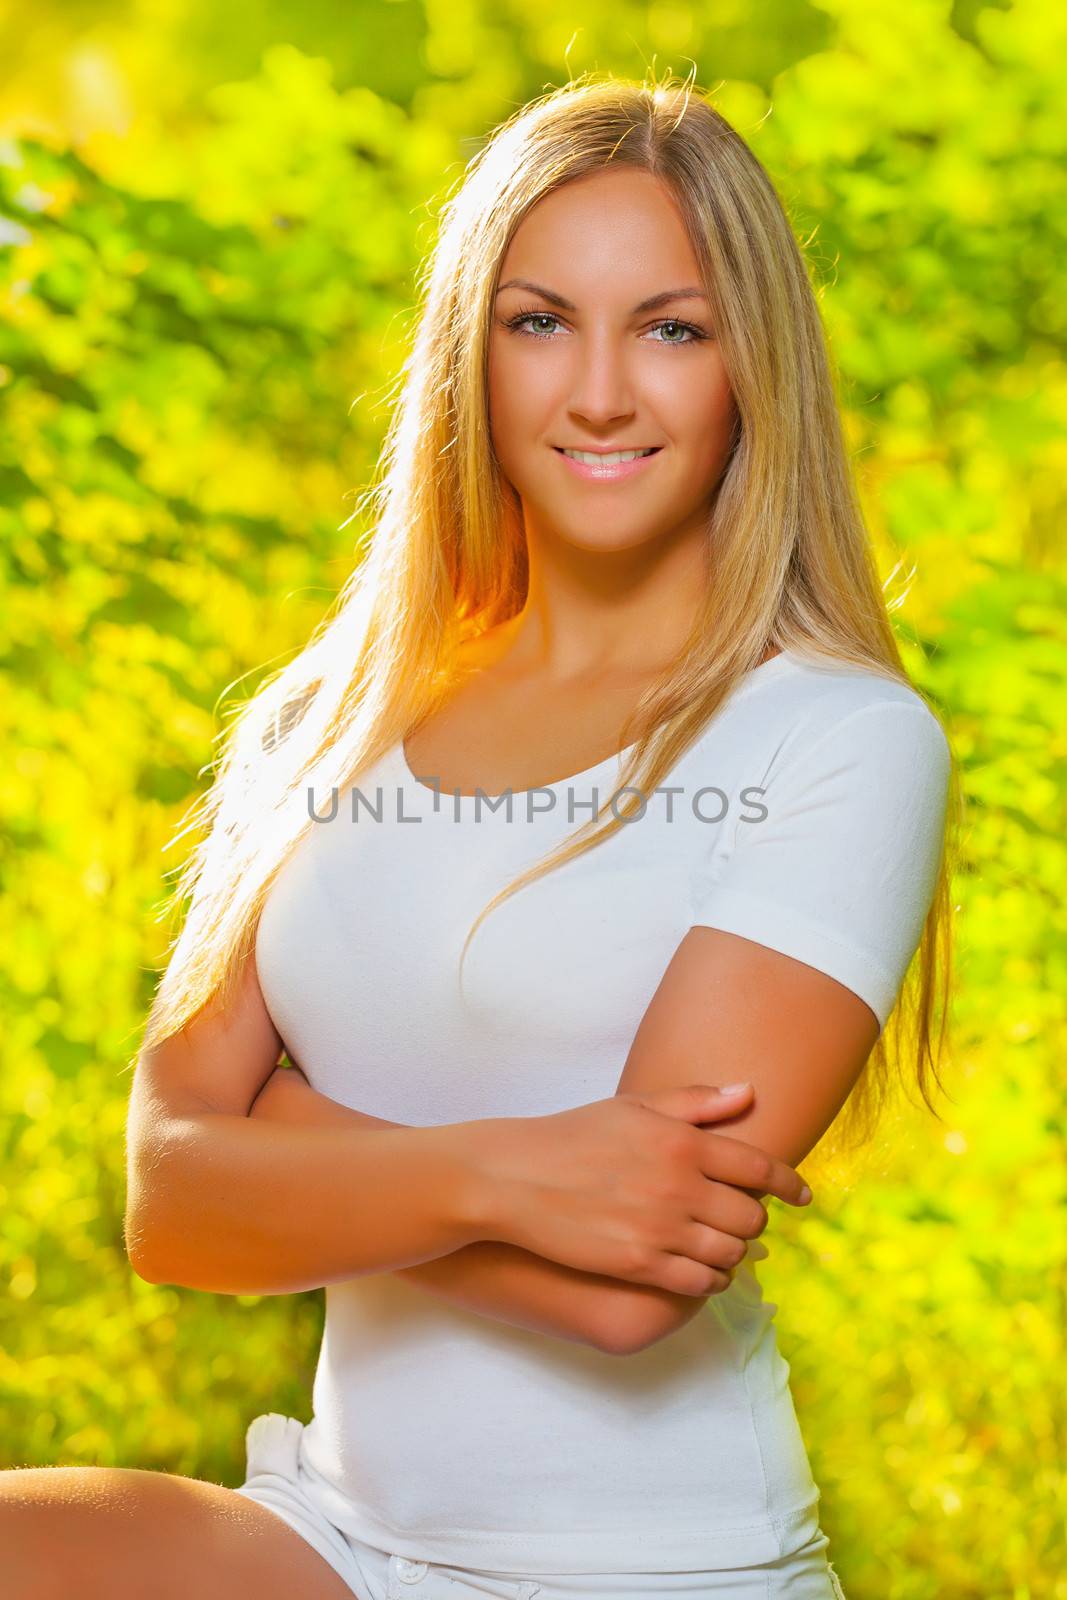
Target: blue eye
[(518, 324)]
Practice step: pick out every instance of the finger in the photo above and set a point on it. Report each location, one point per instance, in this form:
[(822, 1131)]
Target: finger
[(697, 1102), (683, 1275), (731, 1210), (746, 1166), (713, 1246)]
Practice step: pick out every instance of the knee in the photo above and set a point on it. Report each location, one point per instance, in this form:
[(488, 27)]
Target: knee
[(23, 1537), (42, 1556)]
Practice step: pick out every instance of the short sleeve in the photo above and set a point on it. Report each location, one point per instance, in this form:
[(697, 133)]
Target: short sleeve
[(841, 870)]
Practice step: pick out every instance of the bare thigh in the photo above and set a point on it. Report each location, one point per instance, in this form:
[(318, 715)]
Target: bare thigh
[(124, 1533)]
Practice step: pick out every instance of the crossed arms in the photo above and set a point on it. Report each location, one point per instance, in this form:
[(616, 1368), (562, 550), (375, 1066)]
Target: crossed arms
[(726, 1009)]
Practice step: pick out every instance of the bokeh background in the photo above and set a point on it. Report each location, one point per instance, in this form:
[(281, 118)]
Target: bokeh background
[(210, 224)]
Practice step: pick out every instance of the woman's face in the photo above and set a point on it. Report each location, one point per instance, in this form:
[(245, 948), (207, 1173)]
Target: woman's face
[(602, 373)]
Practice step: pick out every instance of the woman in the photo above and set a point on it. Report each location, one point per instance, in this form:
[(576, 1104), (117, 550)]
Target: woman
[(605, 782)]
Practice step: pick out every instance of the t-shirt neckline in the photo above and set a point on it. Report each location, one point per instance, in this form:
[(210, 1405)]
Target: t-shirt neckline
[(765, 669)]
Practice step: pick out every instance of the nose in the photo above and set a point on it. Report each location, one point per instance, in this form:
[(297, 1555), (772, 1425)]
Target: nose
[(601, 381)]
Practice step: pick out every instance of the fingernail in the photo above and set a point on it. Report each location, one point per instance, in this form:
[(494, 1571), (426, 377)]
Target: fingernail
[(805, 1195), (734, 1088)]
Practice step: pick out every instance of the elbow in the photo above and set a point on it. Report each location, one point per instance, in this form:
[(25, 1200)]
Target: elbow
[(627, 1328), (140, 1266), (145, 1274), (148, 1238), (156, 1185), (139, 1226), (136, 1237)]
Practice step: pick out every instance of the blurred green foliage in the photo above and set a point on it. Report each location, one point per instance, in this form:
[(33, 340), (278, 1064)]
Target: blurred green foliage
[(209, 230)]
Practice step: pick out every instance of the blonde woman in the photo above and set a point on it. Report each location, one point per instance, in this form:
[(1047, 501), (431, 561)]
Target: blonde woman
[(602, 787)]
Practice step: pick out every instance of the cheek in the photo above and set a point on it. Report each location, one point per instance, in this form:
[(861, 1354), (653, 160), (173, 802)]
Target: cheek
[(505, 399), (697, 397), (703, 417), (521, 400)]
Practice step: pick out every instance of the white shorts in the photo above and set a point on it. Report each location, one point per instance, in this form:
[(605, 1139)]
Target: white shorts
[(274, 1479)]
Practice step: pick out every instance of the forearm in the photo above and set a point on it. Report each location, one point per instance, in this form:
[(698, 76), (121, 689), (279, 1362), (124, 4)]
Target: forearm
[(490, 1277), (237, 1205)]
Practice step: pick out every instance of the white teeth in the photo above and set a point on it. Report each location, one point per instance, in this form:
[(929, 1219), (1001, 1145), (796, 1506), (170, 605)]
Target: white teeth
[(594, 459)]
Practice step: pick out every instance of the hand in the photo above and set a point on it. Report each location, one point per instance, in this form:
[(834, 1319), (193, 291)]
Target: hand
[(632, 1186)]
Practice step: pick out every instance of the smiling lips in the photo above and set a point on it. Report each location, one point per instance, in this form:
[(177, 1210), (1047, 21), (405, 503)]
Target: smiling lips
[(606, 465)]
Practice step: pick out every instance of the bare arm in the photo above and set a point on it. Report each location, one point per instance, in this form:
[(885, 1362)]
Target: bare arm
[(490, 1277), (730, 1008), (221, 1202), (242, 1207)]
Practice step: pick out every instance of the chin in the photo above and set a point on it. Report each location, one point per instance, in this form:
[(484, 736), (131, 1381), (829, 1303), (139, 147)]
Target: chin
[(609, 540)]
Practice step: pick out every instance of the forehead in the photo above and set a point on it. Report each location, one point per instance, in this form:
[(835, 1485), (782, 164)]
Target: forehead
[(616, 230)]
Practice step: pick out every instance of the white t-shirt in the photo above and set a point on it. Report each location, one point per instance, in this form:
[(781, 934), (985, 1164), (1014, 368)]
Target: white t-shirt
[(450, 1437)]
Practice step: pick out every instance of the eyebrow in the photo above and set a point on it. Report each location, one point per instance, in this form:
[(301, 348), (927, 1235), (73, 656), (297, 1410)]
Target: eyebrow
[(651, 304)]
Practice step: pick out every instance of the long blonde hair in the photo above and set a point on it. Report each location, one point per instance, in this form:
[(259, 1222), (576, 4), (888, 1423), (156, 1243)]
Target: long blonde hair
[(446, 559)]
